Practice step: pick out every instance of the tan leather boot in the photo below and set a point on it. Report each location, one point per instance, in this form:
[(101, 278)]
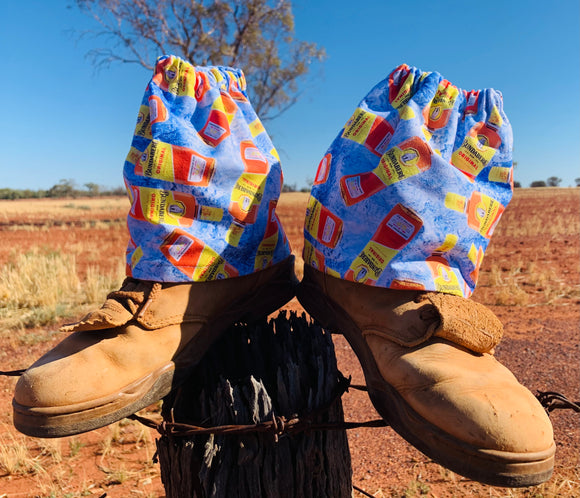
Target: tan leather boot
[(137, 347), (428, 363)]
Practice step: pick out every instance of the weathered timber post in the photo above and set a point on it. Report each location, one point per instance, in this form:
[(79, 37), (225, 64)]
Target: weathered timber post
[(283, 368)]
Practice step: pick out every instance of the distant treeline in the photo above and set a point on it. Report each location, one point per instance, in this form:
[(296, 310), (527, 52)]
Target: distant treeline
[(64, 188), (68, 188)]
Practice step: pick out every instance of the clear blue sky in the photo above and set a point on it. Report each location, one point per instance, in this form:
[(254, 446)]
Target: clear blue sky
[(63, 120)]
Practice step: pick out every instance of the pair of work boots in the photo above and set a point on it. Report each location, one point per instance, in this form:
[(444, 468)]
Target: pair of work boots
[(427, 359)]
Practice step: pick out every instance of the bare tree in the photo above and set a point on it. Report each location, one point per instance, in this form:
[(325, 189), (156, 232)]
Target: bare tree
[(255, 35)]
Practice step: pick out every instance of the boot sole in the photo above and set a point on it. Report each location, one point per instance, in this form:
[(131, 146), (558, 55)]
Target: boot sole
[(496, 468), (49, 422)]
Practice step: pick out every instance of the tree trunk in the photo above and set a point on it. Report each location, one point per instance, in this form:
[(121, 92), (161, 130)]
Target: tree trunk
[(283, 368)]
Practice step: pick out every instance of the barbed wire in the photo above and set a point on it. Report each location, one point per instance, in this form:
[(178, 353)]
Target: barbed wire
[(12, 373), (552, 400), (280, 425), (277, 425)]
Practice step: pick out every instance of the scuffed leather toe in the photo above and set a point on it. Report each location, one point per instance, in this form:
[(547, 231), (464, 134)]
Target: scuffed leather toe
[(88, 366), (141, 344), (430, 373), (470, 396)]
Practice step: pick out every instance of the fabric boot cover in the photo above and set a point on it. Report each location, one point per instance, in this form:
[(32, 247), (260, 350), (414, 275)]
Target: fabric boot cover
[(203, 178), (409, 193)]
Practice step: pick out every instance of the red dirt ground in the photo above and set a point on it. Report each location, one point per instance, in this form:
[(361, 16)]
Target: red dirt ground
[(530, 278)]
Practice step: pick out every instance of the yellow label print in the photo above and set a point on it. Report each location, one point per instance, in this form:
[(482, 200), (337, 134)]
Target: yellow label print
[(406, 112), (256, 127), (160, 206), (210, 266), (242, 82), (455, 201), (312, 220), (218, 104), (445, 280), (476, 257), (331, 272), (248, 190), (500, 174), (448, 244), (311, 257), (308, 253), (143, 127), (427, 134), (372, 261), (265, 252), (133, 155), (239, 81), (274, 153), (445, 96), (232, 76), (483, 213), (359, 126), (494, 118), (208, 213), (180, 78), (136, 256), (443, 100), (396, 165), (404, 94), (217, 75), (323, 225), (473, 155), (157, 161), (234, 234), (472, 254)]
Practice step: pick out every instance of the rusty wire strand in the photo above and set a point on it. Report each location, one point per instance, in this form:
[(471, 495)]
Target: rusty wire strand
[(552, 400), (280, 425), (362, 491), (12, 373)]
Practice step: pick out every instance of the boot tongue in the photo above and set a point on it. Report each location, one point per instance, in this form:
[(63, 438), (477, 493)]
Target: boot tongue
[(465, 322), (120, 307), (434, 314)]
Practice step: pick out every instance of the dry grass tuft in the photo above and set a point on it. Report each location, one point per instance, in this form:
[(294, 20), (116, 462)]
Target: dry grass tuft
[(15, 456), (41, 287), (58, 209)]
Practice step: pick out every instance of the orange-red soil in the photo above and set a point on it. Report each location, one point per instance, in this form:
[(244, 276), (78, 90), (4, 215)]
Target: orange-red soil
[(530, 278)]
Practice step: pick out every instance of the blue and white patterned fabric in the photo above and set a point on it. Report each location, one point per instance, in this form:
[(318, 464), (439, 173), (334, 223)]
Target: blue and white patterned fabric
[(203, 178), (409, 193)]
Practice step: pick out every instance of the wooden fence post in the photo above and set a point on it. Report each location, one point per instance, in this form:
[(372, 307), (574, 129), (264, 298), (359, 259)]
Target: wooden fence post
[(283, 368)]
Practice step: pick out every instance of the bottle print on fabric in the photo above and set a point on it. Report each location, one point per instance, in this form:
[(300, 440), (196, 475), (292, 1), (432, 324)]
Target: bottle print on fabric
[(203, 178), (423, 158)]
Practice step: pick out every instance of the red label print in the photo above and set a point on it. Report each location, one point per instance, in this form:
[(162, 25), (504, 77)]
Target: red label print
[(217, 128), (254, 161), (157, 110), (323, 170)]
